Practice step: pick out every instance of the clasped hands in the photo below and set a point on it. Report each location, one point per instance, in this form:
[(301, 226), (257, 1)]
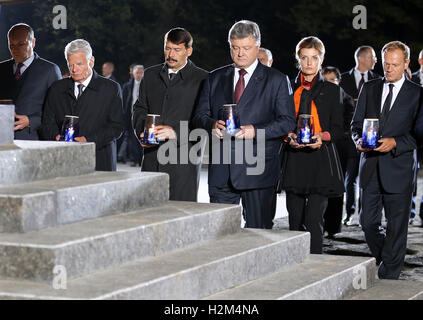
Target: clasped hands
[(161, 133), (295, 145), (246, 132), (386, 145)]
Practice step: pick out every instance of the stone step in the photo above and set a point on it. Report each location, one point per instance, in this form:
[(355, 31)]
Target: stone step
[(318, 277), (92, 245), (26, 161), (48, 203), (194, 272), (392, 290)]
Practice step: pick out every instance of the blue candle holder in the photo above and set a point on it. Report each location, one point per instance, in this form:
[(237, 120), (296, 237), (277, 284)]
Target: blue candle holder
[(70, 129), (370, 134), (305, 129), (151, 122)]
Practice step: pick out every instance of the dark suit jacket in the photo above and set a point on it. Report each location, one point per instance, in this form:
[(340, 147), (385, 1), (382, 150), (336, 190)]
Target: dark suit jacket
[(397, 167), (127, 89), (174, 101), (348, 82), (267, 103), (100, 115), (415, 77), (29, 92)]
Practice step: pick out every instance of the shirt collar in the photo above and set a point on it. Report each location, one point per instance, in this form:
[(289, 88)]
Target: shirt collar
[(169, 70), (397, 84), (27, 62), (86, 82), (250, 70), (358, 72)]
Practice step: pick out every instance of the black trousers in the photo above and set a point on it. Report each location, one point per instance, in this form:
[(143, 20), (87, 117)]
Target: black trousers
[(258, 205), (306, 214), (388, 247)]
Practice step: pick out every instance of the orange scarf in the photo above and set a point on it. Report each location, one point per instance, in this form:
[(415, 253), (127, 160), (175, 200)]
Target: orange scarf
[(297, 99)]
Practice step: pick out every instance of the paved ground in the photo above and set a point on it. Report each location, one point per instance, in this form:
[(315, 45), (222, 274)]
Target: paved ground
[(351, 240)]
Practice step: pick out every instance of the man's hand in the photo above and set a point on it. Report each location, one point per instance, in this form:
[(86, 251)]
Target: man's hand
[(218, 126), (387, 144), (80, 139), (164, 132), (21, 123), (246, 132), (361, 149)]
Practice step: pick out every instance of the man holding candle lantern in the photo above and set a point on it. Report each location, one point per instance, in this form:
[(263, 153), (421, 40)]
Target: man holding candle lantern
[(387, 171), (264, 101), (169, 92)]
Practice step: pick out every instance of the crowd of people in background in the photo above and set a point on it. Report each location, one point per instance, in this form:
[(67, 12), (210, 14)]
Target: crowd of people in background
[(321, 179)]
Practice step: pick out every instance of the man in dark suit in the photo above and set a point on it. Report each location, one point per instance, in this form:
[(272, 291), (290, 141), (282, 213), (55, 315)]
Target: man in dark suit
[(94, 99), (264, 101), (129, 147), (351, 83), (171, 90), (417, 76), (25, 79), (107, 70), (387, 172)]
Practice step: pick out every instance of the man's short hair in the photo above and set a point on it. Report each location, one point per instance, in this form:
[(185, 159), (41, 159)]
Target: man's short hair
[(267, 52), (394, 45), (330, 69), (360, 51), (77, 46), (178, 36), (244, 29), (421, 54), (137, 66), (22, 26)]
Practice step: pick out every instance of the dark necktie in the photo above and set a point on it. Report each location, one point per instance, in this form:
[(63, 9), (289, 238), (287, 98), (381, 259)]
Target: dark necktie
[(18, 71), (386, 106), (360, 84), (172, 76), (240, 86), (80, 90)]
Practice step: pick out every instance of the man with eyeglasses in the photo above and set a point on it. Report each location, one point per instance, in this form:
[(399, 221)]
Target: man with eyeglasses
[(25, 79), (352, 82)]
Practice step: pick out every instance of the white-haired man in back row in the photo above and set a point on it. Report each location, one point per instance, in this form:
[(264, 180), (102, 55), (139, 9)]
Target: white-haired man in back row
[(95, 100)]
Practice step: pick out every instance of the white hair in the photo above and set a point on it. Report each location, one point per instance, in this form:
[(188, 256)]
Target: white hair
[(138, 66), (267, 52), (244, 29), (421, 55), (79, 45)]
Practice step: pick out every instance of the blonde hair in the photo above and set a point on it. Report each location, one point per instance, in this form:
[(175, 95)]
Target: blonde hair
[(310, 43), (394, 45)]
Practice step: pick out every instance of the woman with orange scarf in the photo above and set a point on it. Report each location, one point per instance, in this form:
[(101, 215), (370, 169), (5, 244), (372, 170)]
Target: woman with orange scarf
[(312, 173)]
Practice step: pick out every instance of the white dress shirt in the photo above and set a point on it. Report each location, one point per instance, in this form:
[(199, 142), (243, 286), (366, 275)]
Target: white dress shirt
[(357, 77), (85, 83), (395, 90), (25, 66), (135, 91), (247, 76)]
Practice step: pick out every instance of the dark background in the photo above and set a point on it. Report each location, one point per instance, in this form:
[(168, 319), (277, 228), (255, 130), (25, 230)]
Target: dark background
[(128, 31)]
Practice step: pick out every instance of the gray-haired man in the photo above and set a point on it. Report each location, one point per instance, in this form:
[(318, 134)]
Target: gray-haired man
[(265, 101), (265, 57), (95, 100)]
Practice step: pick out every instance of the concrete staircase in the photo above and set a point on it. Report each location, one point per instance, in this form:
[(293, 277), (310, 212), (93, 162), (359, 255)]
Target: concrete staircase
[(67, 232)]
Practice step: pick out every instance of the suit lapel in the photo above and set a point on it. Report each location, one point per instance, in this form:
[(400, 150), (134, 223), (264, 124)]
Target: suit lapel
[(402, 94), (165, 76), (378, 97), (228, 85), (251, 89)]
